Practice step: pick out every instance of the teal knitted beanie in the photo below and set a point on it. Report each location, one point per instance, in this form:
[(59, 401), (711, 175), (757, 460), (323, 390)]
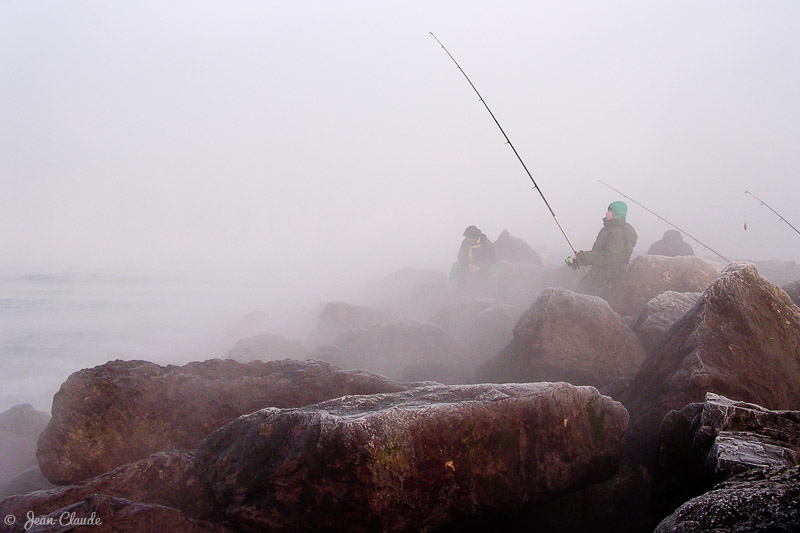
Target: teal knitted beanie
[(620, 209)]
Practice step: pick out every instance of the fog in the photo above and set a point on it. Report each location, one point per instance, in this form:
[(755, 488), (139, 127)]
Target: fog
[(303, 149)]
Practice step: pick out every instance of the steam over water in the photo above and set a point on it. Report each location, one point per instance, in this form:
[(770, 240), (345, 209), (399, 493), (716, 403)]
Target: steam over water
[(56, 323)]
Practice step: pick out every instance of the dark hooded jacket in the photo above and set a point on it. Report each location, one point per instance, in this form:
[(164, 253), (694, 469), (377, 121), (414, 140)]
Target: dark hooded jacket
[(609, 255), (480, 254), (671, 244)]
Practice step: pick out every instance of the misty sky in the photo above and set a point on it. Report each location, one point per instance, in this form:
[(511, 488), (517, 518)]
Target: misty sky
[(320, 142)]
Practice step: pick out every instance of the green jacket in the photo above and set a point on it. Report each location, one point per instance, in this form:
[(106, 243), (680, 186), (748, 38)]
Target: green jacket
[(609, 255)]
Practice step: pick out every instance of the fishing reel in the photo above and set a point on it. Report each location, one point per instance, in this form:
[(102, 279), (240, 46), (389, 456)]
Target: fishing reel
[(572, 262)]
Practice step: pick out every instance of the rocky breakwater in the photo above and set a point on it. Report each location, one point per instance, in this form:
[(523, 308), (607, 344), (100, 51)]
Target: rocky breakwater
[(20, 426), (745, 456), (156, 494), (123, 411), (413, 460), (647, 276), (566, 336), (408, 350), (741, 340), (711, 442), (660, 314)]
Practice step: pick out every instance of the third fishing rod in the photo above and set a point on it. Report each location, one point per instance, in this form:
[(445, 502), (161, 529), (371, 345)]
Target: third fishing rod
[(508, 141), (768, 207), (665, 220)]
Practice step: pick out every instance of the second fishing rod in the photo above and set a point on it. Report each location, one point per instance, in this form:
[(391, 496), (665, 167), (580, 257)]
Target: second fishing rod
[(508, 141)]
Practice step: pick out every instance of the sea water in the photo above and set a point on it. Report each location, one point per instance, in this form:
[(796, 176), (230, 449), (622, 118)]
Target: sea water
[(54, 323)]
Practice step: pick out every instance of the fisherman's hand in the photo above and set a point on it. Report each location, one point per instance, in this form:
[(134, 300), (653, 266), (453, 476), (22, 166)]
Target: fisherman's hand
[(572, 262)]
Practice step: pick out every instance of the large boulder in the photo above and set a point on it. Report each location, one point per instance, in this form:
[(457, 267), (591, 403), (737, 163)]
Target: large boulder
[(761, 499), (515, 250), (266, 347), (741, 340), (166, 478), (408, 350), (660, 313), (566, 336), (338, 317), (706, 443), (20, 426), (123, 411), (647, 276), (484, 326), (106, 514), (414, 460)]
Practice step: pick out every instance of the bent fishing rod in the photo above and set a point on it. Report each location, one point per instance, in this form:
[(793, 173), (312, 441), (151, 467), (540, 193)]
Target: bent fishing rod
[(768, 207), (508, 141), (667, 221)]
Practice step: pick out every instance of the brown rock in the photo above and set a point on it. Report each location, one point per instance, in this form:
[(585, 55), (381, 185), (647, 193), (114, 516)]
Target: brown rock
[(105, 514), (123, 411), (741, 340), (758, 500), (660, 313), (706, 443), (165, 478), (411, 460), (647, 276), (566, 336)]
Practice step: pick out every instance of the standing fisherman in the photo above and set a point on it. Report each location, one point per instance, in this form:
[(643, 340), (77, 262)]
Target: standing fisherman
[(610, 253)]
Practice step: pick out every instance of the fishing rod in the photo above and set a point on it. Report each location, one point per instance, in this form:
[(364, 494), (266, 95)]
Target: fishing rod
[(768, 207), (508, 141), (665, 220)]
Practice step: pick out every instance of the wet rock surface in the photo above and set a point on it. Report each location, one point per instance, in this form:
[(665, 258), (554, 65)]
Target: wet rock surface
[(411, 460), (660, 314), (167, 479), (706, 443), (647, 276), (124, 411), (566, 336), (758, 500), (741, 340), (106, 514)]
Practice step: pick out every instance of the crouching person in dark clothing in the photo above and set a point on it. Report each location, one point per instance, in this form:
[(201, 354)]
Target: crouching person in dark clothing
[(671, 245), (475, 272)]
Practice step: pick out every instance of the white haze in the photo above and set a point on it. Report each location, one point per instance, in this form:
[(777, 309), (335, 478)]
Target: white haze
[(298, 150)]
